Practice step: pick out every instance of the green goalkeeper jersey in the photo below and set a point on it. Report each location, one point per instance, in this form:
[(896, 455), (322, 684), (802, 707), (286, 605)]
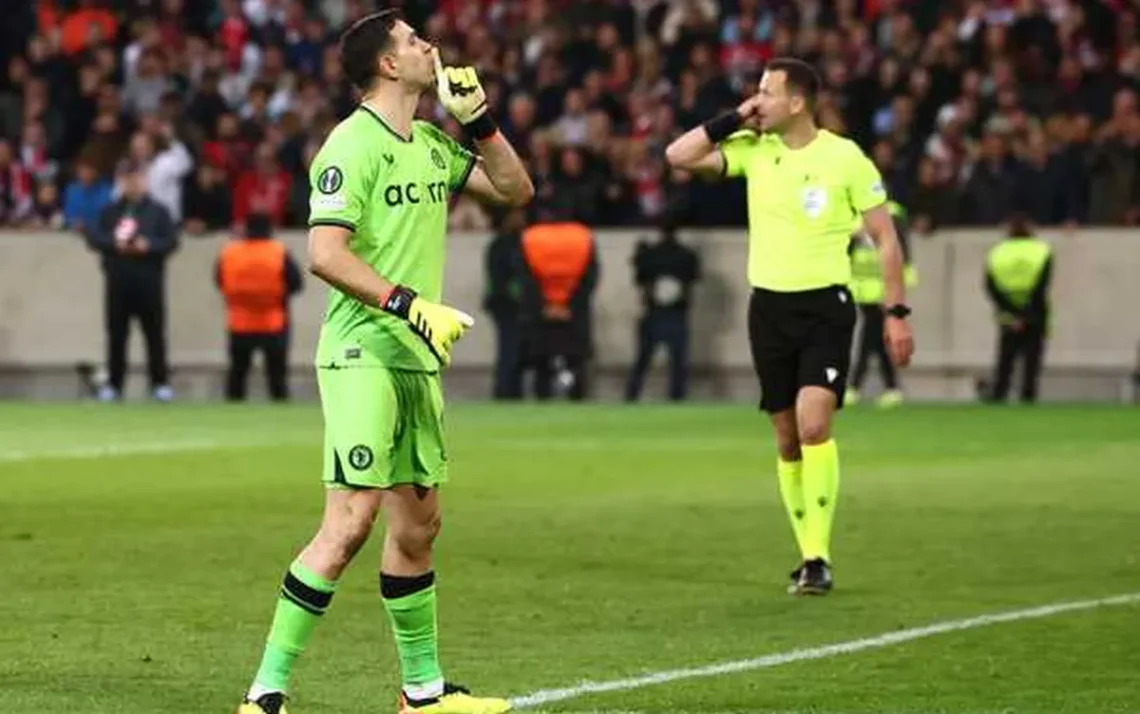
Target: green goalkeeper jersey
[(393, 194)]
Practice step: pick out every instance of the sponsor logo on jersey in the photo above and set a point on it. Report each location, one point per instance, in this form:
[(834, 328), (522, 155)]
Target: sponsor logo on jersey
[(397, 194)]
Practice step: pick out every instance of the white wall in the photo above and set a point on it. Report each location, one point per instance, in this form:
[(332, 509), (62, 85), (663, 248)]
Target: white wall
[(51, 301)]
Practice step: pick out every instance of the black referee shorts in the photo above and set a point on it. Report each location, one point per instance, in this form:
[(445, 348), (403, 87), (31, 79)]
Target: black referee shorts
[(800, 339)]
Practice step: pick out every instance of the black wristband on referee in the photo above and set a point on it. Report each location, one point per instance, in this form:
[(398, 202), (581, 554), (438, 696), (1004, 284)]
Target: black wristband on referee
[(483, 127), (399, 301), (721, 127)]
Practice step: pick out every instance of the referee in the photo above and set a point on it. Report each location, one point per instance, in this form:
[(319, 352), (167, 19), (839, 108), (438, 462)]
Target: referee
[(808, 190)]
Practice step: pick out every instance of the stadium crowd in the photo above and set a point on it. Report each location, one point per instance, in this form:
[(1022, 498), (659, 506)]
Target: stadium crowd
[(972, 108)]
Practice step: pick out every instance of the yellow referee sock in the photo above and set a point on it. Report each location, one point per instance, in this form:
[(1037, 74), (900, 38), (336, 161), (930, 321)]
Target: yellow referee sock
[(791, 476), (821, 489)]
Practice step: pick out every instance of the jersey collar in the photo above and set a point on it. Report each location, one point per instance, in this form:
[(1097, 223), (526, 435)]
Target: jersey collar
[(372, 113)]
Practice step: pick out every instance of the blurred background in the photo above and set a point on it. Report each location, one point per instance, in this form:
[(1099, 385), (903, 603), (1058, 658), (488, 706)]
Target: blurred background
[(977, 112)]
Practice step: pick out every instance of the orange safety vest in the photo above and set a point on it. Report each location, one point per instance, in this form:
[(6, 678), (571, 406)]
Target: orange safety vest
[(253, 282), (559, 255)]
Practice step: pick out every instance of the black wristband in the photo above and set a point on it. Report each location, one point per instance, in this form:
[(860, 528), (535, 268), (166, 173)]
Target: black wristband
[(900, 311), (483, 127), (399, 301), (721, 127)]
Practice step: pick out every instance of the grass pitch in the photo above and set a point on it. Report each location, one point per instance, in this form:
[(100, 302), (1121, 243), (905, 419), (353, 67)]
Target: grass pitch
[(142, 548)]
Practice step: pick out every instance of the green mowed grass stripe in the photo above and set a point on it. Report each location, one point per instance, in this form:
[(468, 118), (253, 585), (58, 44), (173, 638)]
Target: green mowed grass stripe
[(145, 583)]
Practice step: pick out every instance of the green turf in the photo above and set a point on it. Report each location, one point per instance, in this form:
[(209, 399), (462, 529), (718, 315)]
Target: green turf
[(579, 543)]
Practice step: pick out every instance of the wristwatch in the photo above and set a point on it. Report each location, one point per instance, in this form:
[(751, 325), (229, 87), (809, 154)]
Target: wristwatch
[(900, 311)]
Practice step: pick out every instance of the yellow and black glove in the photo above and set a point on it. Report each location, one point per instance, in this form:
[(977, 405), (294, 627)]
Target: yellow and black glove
[(439, 326), (462, 95)]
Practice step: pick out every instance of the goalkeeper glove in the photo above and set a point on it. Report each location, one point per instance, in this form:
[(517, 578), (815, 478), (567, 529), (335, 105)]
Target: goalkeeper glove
[(463, 97), (439, 326)]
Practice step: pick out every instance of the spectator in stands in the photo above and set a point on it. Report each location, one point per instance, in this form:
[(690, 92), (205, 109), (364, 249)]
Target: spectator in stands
[(106, 144), (16, 188), (207, 104), (46, 213), (304, 49), (988, 193), (571, 126), (208, 204), (1041, 190), (264, 188), (35, 156), (166, 162), (255, 113), (519, 124), (12, 98), (578, 191), (227, 149), (929, 79), (85, 197), (145, 87), (40, 106), (933, 202), (76, 30), (1114, 176)]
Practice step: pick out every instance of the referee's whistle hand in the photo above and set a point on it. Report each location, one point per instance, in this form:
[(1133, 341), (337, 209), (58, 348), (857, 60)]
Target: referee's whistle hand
[(900, 341)]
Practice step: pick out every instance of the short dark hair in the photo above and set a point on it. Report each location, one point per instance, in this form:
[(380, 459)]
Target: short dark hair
[(361, 43), (800, 77), (258, 225), (129, 167)]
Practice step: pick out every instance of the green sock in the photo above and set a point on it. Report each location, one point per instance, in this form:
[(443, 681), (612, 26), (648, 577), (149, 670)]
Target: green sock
[(821, 489), (304, 597), (411, 606), (791, 476)]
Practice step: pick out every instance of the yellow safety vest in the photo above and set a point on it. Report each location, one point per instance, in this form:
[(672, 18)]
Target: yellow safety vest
[(867, 285), (866, 274), (1015, 266)]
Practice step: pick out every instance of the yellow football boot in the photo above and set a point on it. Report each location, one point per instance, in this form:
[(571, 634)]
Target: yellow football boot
[(455, 700), (272, 703)]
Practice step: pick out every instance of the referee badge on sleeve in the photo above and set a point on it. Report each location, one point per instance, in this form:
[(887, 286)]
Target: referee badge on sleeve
[(814, 200)]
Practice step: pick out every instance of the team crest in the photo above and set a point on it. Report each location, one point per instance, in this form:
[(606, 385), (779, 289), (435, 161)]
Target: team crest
[(330, 180), (360, 457), (437, 159)]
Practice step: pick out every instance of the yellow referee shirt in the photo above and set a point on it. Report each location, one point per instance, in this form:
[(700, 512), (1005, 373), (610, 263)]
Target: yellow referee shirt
[(803, 205)]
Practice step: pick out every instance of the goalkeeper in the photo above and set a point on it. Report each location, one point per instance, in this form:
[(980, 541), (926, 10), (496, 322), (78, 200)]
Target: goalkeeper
[(378, 216)]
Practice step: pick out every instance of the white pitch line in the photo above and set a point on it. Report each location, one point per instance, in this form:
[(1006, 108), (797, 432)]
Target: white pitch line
[(670, 711), (548, 696), (139, 449)]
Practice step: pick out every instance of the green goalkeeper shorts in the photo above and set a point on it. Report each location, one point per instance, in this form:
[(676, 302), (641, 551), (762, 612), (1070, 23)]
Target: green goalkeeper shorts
[(383, 427)]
